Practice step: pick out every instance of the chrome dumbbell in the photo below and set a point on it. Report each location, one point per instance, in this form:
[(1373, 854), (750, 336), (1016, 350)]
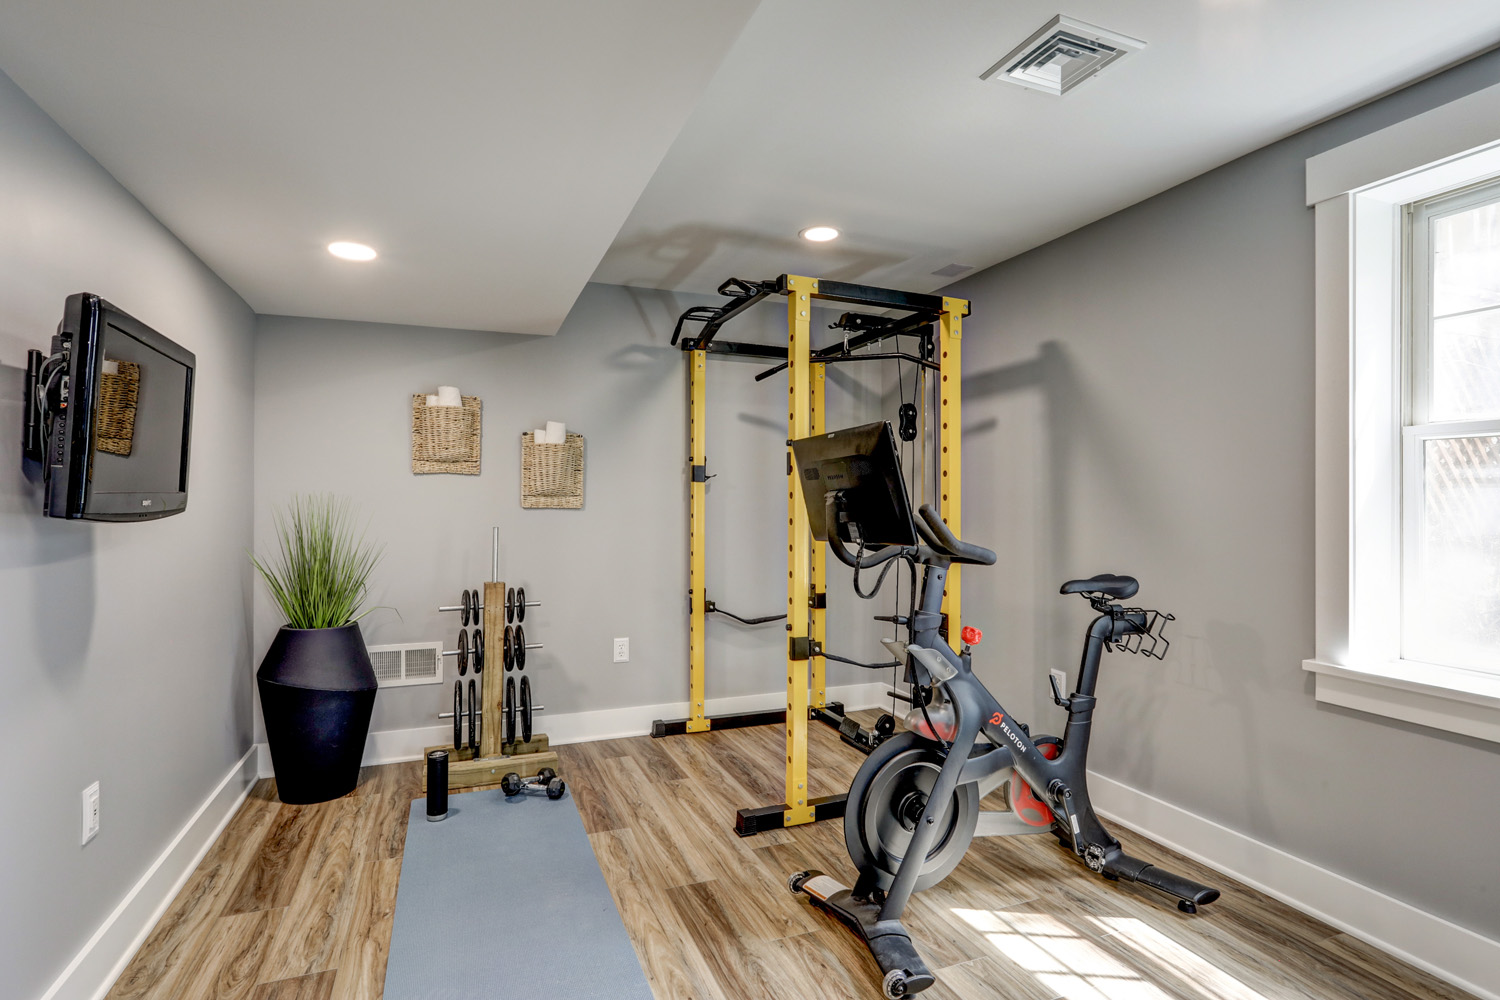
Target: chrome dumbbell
[(546, 780)]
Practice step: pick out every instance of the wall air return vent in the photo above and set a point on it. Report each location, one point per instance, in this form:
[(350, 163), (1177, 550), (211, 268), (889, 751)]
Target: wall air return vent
[(1062, 55), (407, 663)]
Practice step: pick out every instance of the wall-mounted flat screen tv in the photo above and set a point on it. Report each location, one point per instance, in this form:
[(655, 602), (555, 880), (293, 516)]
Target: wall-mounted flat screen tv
[(118, 397)]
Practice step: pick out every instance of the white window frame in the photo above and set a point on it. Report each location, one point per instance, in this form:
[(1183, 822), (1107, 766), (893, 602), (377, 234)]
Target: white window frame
[(1358, 192)]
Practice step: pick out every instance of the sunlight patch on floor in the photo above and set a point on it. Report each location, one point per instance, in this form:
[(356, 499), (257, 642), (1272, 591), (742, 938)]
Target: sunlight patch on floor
[(1059, 958), (1209, 979), (1076, 968)]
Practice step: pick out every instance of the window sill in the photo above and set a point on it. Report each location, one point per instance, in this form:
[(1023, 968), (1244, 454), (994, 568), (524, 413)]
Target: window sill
[(1447, 698)]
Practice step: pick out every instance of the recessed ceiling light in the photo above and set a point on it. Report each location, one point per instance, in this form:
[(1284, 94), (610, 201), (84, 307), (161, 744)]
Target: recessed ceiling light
[(819, 234), (351, 251)]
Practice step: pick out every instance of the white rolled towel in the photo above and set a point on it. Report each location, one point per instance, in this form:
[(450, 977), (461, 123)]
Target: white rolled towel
[(539, 436), (432, 400), (447, 395), (557, 432)]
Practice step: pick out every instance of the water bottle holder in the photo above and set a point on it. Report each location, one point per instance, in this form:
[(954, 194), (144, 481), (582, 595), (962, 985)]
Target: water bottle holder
[(1148, 640)]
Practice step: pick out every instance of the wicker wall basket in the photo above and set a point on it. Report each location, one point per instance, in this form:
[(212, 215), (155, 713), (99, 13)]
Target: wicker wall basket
[(114, 427), (552, 474), (445, 438)]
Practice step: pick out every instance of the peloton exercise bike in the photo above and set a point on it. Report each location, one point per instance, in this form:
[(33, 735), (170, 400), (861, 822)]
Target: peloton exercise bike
[(914, 806)]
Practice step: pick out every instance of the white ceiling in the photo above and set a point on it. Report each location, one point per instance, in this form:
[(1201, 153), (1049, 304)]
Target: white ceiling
[(489, 149), (492, 150), (870, 115)]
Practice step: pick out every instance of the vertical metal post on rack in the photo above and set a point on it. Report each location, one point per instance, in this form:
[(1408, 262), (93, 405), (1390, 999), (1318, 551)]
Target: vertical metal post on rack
[(950, 441), (818, 599), (697, 722), (799, 550)]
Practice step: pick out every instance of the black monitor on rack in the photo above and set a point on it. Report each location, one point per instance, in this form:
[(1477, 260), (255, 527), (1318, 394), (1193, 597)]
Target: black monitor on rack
[(860, 463)]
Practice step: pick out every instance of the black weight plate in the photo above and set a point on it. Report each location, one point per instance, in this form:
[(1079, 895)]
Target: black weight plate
[(467, 612), (463, 652), (525, 709), (520, 648), (458, 715), (520, 604), (509, 651), (510, 605), (478, 651), (509, 736), (473, 712)]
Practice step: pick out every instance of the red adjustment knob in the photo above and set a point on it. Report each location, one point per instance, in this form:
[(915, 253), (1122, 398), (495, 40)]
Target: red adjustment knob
[(971, 635)]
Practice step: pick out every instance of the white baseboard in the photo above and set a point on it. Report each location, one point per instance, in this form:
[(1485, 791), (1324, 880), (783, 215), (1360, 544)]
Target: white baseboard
[(1456, 954), (99, 963), (394, 745)]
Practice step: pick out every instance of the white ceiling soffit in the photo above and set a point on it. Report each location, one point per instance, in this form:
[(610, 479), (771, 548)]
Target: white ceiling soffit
[(488, 149), (870, 115)]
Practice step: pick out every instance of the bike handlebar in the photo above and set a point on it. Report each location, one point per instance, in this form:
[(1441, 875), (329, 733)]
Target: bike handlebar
[(949, 544)]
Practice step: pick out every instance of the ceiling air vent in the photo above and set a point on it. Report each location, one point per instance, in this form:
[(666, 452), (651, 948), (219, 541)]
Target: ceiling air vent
[(1062, 55), (952, 270)]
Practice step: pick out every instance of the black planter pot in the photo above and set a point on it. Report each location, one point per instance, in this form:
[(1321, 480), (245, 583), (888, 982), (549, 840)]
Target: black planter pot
[(317, 690)]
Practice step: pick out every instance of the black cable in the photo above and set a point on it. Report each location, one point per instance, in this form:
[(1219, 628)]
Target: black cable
[(43, 390), (879, 580), (922, 704)]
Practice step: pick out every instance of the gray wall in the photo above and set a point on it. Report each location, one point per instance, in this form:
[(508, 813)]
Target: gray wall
[(126, 646), (1139, 399), (333, 414)]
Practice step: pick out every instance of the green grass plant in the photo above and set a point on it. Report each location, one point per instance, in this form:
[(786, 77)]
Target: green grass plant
[(321, 576)]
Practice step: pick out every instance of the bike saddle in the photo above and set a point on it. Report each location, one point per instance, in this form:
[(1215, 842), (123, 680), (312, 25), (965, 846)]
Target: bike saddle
[(1118, 587)]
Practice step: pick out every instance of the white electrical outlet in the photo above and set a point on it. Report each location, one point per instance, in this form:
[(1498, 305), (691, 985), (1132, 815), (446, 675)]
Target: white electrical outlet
[(622, 650), (90, 812), (1061, 676)]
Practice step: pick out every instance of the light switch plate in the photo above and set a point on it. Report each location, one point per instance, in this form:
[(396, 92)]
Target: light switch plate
[(90, 812)]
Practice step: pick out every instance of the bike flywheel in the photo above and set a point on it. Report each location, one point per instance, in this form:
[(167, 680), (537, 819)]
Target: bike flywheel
[(889, 798)]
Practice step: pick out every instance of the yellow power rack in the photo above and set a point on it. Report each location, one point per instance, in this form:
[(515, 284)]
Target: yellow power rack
[(806, 607)]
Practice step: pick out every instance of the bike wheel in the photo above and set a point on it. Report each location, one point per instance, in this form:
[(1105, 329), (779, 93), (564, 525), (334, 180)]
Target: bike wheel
[(887, 801)]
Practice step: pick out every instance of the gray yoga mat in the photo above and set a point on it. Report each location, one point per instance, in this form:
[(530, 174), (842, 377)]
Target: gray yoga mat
[(504, 898)]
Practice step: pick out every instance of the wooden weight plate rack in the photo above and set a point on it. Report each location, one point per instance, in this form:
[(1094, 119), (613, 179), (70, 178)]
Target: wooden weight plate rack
[(470, 769)]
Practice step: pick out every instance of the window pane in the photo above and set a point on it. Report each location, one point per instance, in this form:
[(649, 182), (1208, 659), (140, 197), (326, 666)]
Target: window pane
[(1466, 260), (1466, 367), (1453, 615)]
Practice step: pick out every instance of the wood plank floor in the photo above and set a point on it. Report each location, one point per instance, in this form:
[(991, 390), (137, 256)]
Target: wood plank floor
[(295, 902)]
